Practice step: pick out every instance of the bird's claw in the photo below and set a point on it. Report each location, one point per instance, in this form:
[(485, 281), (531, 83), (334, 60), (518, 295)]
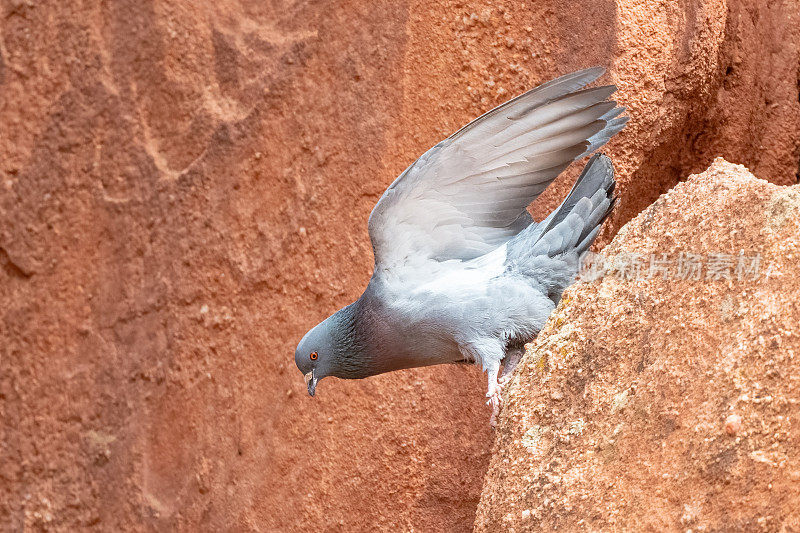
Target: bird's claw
[(495, 400)]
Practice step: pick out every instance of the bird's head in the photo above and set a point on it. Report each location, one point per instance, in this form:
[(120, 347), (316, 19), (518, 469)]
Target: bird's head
[(334, 347), (314, 354)]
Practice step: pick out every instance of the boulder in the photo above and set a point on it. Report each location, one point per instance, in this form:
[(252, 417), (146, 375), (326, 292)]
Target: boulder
[(664, 391)]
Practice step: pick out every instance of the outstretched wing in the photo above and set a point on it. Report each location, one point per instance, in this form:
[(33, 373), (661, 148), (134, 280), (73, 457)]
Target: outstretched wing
[(469, 194)]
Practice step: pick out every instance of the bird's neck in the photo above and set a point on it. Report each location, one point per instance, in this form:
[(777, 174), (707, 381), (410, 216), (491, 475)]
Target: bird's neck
[(352, 355), (366, 344)]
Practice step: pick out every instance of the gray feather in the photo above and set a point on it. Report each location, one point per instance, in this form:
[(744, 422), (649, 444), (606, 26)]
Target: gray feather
[(468, 194)]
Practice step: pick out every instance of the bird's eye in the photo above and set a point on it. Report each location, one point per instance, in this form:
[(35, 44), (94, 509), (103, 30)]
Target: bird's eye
[(313, 356)]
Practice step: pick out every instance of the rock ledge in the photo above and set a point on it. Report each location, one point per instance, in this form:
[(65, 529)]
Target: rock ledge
[(657, 401)]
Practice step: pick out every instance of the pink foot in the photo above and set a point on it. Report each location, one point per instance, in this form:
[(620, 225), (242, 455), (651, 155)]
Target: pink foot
[(495, 400)]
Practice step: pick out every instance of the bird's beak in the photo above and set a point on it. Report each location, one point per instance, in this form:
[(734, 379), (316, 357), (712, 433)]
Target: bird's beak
[(311, 383)]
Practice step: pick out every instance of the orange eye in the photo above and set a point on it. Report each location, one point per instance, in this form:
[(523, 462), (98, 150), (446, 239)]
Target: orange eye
[(313, 356)]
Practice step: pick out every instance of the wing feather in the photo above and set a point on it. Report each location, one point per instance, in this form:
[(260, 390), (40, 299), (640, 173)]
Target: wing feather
[(468, 194)]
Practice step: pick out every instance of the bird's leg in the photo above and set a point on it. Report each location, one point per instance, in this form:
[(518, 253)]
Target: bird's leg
[(494, 391), (510, 362)]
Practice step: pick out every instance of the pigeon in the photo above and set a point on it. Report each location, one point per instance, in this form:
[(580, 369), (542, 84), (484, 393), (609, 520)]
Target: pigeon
[(462, 271)]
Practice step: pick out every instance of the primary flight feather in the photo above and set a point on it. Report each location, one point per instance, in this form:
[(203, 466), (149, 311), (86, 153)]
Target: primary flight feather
[(462, 272)]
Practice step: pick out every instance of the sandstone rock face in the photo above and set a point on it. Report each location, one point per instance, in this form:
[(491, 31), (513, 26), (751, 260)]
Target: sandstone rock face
[(184, 188), (666, 403), (701, 79)]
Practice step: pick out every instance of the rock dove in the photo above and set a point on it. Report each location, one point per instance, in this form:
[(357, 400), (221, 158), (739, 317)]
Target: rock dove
[(462, 272)]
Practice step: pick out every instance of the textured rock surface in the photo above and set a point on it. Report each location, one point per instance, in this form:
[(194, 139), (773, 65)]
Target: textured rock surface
[(183, 192), (671, 404)]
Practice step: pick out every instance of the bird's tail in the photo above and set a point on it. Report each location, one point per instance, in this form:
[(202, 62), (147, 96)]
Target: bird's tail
[(572, 228)]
